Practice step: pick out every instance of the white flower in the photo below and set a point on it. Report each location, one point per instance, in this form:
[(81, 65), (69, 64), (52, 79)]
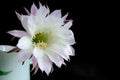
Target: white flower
[(47, 39)]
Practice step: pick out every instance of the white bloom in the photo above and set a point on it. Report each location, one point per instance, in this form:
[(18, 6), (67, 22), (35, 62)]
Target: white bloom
[(47, 39)]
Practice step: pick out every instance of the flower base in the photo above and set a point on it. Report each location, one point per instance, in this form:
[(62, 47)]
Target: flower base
[(8, 63)]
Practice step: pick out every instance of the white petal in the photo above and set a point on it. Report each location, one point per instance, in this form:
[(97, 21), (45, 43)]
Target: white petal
[(56, 13), (31, 25), (65, 16), (34, 62), (54, 21), (68, 24), (60, 51), (24, 21), (26, 10), (42, 12), (69, 40), (68, 49), (54, 57), (33, 9), (38, 53), (24, 43), (28, 24), (43, 61), (24, 55), (66, 32), (18, 15), (64, 50), (40, 5), (66, 36), (36, 69), (45, 64), (17, 33)]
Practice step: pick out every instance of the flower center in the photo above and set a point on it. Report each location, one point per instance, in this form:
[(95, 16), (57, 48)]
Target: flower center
[(40, 40)]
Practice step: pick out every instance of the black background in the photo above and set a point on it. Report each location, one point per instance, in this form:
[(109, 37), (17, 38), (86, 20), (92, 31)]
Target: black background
[(91, 26)]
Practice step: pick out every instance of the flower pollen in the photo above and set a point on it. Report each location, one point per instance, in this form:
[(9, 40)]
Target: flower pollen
[(42, 45), (40, 40)]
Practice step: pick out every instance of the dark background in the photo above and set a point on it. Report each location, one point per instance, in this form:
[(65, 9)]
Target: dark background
[(94, 58)]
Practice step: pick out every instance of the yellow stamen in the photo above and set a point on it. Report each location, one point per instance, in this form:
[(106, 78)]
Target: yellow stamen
[(42, 45)]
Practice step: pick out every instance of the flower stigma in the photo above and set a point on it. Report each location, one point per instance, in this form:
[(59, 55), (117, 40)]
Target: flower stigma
[(40, 40)]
